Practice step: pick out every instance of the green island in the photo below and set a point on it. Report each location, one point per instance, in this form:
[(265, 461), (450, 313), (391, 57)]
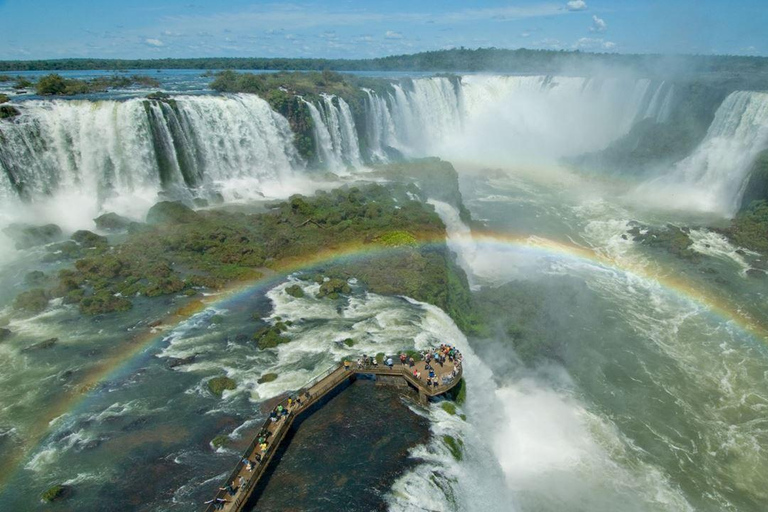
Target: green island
[(180, 251)]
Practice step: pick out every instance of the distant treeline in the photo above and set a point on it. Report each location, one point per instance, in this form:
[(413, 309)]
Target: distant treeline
[(461, 60)]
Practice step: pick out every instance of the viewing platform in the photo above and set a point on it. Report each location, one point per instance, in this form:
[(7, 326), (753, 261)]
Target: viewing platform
[(239, 485)]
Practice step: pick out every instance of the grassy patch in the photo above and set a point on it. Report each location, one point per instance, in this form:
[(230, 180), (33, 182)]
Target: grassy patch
[(219, 441), (53, 493), (267, 377), (455, 446), (449, 407)]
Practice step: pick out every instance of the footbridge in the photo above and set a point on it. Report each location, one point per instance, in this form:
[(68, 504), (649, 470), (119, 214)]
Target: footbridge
[(239, 486)]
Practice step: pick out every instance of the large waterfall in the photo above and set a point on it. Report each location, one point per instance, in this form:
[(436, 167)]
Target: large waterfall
[(713, 177), (119, 154)]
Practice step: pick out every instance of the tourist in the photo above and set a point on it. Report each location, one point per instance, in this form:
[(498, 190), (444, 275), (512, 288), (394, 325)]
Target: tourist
[(411, 362), (346, 365), (242, 482), (390, 363), (402, 359)]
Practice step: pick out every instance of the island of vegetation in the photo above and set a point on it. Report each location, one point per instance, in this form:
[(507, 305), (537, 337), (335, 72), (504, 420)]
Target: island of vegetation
[(180, 251)]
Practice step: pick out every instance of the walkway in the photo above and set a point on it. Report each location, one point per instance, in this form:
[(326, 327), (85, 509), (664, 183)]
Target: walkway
[(275, 431)]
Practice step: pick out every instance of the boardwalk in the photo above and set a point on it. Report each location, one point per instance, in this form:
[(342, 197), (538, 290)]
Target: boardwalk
[(273, 432)]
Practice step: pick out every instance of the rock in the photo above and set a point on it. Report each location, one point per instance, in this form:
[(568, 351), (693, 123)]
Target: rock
[(32, 302), (333, 288), (49, 343), (756, 274), (241, 338), (89, 239), (270, 337), (295, 291), (200, 202), (174, 362), (4, 98), (5, 333), (218, 385), (27, 236), (171, 212), (57, 492), (267, 377), (34, 278), (112, 222), (8, 112)]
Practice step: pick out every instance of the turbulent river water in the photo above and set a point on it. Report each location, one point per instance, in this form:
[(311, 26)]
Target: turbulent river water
[(646, 389)]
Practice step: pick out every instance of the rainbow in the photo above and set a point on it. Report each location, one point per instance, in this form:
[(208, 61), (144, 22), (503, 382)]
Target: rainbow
[(133, 350)]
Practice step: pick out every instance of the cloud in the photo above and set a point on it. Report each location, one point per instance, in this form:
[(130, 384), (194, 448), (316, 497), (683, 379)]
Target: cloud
[(154, 42), (598, 25), (550, 43), (391, 34), (589, 43), (576, 5)]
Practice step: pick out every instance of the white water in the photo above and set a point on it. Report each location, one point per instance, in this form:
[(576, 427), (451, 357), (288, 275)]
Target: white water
[(75, 159), (713, 177)]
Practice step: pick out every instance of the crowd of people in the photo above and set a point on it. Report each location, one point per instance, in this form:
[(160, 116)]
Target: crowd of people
[(440, 356)]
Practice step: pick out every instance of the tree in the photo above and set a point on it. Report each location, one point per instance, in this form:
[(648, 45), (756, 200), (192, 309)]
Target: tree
[(53, 84)]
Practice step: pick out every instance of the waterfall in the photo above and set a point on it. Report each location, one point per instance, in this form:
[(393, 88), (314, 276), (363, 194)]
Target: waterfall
[(713, 177), (118, 154), (335, 133), (495, 118)]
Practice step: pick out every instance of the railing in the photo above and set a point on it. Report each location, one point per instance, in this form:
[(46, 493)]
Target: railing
[(311, 397)]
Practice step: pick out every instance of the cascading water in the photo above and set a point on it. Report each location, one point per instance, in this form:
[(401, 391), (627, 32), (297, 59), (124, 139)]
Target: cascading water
[(111, 153), (335, 133), (713, 177)]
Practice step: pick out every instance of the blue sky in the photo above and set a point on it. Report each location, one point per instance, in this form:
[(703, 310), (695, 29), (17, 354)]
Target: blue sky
[(34, 29)]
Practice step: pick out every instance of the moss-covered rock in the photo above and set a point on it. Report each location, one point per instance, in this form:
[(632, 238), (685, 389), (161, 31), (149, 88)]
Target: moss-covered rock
[(103, 302), (171, 212), (349, 342), (267, 377), (111, 221), (220, 441), (4, 98), (35, 278), (271, 336), (5, 333), (673, 239), (26, 236), (32, 301), (455, 446), (88, 239), (295, 291), (57, 492), (42, 345), (333, 288), (218, 385), (449, 407), (9, 112)]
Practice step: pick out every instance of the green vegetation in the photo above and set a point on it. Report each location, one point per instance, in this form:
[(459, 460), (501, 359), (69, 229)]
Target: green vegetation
[(111, 221), (217, 319), (295, 291), (349, 342), (267, 377), (380, 357), (53, 493), (220, 441), (397, 239), (757, 186), (31, 302), (8, 111), (455, 446), (333, 288), (449, 407), (218, 385), (271, 336), (56, 85), (750, 228), (670, 238), (183, 250), (4, 98), (460, 392), (458, 59), (26, 236)]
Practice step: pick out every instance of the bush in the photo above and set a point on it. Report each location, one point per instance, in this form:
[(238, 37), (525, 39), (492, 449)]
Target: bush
[(53, 84), (220, 440), (449, 407), (33, 301), (349, 342), (295, 291), (218, 385)]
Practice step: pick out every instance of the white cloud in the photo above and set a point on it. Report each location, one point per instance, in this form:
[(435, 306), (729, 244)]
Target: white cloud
[(590, 43), (598, 25), (576, 5), (391, 34), (154, 42), (549, 43), (525, 34)]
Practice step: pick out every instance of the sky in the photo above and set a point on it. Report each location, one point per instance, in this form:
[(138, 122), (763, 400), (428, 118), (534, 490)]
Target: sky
[(42, 29)]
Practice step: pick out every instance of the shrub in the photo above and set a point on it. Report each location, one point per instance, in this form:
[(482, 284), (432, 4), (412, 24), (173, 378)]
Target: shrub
[(218, 385)]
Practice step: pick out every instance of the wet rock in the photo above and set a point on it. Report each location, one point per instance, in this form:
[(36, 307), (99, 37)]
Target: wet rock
[(218, 385), (26, 236), (112, 222), (50, 342), (171, 212), (267, 377), (756, 274), (89, 239), (34, 278), (241, 338), (56, 493), (31, 302), (200, 202), (8, 112), (5, 333), (174, 362)]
